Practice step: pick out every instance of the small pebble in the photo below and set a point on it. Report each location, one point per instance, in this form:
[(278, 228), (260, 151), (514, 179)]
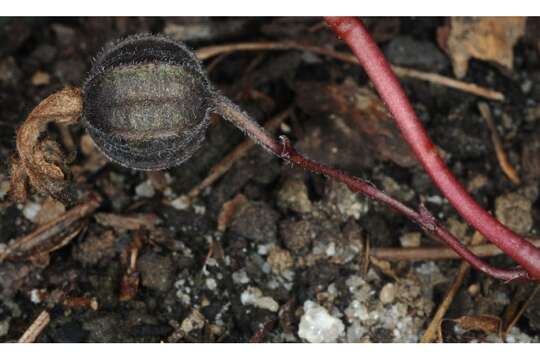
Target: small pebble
[(526, 86), (341, 199), (394, 189), (457, 228), (477, 183), (297, 235), (50, 210), (145, 189), (403, 50), (30, 210), (473, 289), (318, 326), (388, 293), (280, 260), (293, 195), (4, 327), (4, 189), (194, 321), (181, 203), (253, 296), (410, 240), (41, 78), (256, 221), (211, 284), (240, 277), (514, 211)]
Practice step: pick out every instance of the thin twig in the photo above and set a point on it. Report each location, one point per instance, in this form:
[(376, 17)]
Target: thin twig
[(130, 281), (211, 51), (506, 167), (435, 323), (32, 333), (239, 152), (435, 253), (515, 319), (449, 82)]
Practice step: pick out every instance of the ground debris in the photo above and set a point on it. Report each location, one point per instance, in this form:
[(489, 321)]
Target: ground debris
[(52, 235), (238, 246), (483, 38), (128, 222)]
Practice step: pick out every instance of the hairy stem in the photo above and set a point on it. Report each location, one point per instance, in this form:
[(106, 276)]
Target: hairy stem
[(353, 32), (286, 151)]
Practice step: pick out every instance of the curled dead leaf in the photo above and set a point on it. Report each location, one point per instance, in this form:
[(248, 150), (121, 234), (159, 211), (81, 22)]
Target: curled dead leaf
[(41, 162)]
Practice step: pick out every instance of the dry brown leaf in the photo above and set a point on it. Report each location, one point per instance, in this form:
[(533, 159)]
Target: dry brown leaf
[(484, 38), (360, 107), (486, 323)]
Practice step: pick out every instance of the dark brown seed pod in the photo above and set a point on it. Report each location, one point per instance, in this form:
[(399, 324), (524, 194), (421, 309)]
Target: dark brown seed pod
[(146, 102)]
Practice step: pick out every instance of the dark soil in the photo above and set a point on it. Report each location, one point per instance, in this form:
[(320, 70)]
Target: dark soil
[(297, 238)]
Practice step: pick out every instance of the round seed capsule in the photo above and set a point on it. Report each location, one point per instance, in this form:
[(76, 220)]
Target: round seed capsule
[(146, 102)]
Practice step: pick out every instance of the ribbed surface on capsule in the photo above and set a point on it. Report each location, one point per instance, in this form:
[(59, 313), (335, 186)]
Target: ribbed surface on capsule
[(146, 102)]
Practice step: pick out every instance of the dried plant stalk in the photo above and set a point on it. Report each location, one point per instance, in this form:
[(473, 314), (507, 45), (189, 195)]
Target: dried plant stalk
[(53, 235)]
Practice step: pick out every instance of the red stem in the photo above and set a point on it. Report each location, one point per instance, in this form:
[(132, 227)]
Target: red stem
[(353, 32), (423, 218)]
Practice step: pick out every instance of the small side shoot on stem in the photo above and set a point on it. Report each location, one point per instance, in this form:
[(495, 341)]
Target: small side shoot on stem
[(285, 150)]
